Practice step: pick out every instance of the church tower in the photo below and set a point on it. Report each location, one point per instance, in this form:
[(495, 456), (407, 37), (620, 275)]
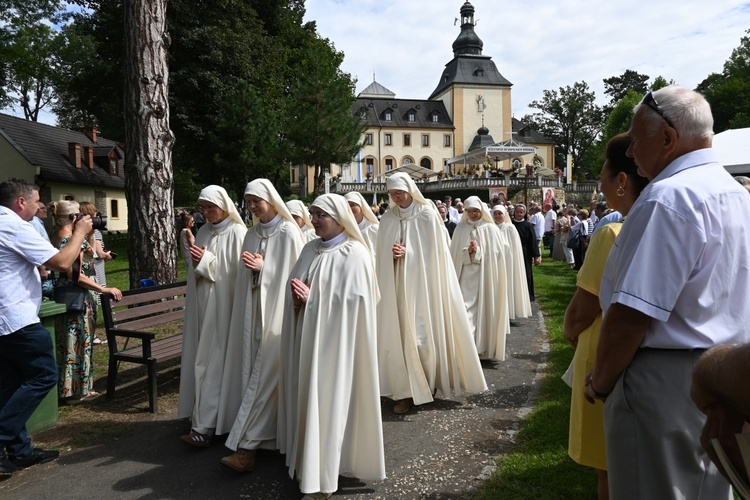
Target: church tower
[(473, 91)]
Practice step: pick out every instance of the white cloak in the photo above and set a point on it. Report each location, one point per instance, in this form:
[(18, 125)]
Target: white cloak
[(210, 390), (257, 318), (484, 285), (518, 289), (308, 234), (370, 234), (424, 335), (329, 407)]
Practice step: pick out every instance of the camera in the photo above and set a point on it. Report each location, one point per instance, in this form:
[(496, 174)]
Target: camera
[(99, 222), (113, 255)]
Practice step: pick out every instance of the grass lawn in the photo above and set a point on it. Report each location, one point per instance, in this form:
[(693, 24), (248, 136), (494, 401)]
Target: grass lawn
[(539, 467)]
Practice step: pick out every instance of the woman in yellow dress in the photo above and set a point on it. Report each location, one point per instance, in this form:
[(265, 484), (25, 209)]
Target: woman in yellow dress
[(621, 186)]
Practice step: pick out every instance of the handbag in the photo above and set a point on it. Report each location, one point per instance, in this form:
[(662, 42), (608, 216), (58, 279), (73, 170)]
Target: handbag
[(575, 240), (73, 296)]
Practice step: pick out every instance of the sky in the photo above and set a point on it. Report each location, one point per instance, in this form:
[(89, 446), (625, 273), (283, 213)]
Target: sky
[(537, 46)]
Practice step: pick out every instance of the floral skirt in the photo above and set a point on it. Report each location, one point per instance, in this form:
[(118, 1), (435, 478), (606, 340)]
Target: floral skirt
[(74, 342)]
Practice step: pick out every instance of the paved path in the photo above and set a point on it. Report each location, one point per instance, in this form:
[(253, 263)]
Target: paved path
[(440, 450)]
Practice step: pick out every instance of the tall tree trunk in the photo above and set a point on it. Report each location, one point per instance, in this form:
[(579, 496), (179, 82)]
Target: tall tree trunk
[(152, 248)]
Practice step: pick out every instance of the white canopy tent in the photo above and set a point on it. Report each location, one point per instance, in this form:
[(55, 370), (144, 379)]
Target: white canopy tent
[(416, 171), (499, 151), (732, 148)]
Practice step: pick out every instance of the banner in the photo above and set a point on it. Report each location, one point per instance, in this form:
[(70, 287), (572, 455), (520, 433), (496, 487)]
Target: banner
[(500, 192), (548, 195)]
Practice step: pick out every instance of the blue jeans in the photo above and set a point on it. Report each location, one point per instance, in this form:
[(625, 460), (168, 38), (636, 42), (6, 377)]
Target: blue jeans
[(27, 373)]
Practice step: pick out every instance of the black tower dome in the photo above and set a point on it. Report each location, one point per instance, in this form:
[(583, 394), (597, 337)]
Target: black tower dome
[(467, 43)]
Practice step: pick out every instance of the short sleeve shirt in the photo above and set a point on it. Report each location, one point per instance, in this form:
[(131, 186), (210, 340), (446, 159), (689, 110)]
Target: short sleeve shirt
[(683, 257), (22, 249)]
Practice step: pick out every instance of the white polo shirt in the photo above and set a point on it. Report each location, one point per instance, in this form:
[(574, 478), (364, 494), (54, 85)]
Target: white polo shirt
[(683, 257), (549, 221), (22, 249), (537, 220)]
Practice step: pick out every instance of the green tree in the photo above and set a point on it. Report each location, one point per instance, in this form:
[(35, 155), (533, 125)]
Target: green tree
[(320, 126), (29, 49), (571, 117), (617, 87), (728, 92), (660, 82), (248, 136)]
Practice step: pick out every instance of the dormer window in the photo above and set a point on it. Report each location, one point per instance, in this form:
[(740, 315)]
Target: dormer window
[(411, 116), (388, 115), (479, 72), (435, 117), (113, 166)]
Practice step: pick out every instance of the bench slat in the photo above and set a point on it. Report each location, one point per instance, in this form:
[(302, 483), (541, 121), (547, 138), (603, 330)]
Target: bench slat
[(142, 323), (146, 310)]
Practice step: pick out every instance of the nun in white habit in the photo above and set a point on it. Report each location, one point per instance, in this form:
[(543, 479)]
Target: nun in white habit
[(477, 252), (424, 335), (518, 290), (367, 221), (269, 252), (302, 219), (210, 391), (329, 404)]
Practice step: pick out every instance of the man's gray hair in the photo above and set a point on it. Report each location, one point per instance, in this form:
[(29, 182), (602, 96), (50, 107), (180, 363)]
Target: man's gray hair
[(14, 188), (688, 111)]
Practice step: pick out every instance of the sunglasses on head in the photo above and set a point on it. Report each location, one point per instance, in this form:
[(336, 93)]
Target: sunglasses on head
[(650, 101)]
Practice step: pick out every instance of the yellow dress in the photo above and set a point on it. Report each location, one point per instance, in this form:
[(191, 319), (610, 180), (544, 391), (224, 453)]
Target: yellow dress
[(586, 436)]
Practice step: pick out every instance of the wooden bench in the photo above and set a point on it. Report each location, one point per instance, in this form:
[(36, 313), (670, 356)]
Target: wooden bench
[(140, 309)]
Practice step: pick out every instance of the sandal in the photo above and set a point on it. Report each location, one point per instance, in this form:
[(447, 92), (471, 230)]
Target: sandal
[(92, 395), (196, 439), (98, 341)]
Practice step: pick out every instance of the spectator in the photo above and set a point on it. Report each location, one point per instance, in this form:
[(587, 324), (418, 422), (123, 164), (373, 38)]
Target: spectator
[(665, 294), (606, 216), (48, 277), (100, 257), (210, 367), (537, 221), (450, 226), (550, 217), (187, 239), (77, 327), (28, 370), (725, 402), (329, 400), (531, 256), (420, 305), (583, 317), (453, 214), (270, 249), (583, 230)]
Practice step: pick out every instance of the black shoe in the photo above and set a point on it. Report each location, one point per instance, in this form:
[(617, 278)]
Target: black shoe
[(37, 456), (7, 467)]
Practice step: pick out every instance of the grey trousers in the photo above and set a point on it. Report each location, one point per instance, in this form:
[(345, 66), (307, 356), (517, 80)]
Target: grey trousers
[(652, 431)]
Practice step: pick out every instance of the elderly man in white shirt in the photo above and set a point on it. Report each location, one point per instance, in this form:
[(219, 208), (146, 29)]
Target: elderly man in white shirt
[(671, 289)]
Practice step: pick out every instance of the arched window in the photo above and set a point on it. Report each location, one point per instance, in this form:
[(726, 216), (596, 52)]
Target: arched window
[(408, 160), (426, 163)]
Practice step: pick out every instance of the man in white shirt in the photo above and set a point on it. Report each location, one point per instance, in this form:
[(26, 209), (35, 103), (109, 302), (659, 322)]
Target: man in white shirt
[(453, 214), (537, 220), (28, 370), (669, 291)]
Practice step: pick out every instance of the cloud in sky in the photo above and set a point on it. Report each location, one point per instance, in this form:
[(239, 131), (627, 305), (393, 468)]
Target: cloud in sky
[(537, 46)]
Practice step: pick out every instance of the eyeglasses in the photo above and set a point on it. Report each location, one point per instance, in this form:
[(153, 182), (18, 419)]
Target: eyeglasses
[(319, 215), (650, 101)]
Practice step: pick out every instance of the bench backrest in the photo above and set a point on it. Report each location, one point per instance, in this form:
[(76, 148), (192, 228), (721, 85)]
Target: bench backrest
[(145, 307)]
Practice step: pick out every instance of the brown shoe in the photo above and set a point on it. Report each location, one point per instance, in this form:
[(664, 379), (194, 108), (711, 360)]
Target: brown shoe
[(317, 496), (196, 439), (241, 461), (403, 406)]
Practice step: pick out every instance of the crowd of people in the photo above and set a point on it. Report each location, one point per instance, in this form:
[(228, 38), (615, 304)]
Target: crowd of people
[(291, 338)]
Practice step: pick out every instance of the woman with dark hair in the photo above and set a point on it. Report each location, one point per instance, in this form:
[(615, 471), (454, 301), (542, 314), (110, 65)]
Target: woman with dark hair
[(621, 186)]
